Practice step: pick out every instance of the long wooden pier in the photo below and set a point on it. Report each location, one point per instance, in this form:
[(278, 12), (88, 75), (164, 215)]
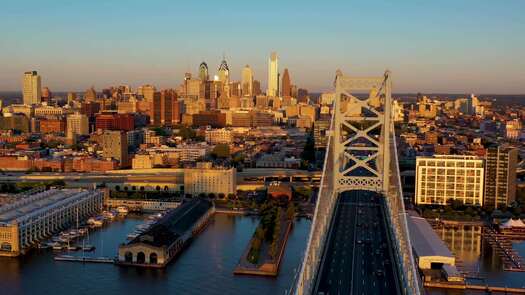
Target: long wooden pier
[(71, 258), (483, 288), (512, 261)]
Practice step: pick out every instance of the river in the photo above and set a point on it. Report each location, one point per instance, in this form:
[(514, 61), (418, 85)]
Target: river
[(477, 257), (205, 267)]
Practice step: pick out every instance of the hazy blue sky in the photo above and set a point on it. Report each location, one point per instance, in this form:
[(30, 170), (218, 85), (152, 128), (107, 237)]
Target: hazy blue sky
[(458, 46)]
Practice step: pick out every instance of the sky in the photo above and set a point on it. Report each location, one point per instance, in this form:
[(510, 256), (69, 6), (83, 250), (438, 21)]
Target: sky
[(445, 46)]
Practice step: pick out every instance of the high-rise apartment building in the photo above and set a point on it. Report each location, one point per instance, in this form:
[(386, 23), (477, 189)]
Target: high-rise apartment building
[(32, 88), (247, 81), (286, 87), (273, 75), (500, 176), (115, 145), (443, 178)]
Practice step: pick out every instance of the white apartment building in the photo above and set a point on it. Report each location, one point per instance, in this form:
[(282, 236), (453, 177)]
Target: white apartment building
[(449, 177)]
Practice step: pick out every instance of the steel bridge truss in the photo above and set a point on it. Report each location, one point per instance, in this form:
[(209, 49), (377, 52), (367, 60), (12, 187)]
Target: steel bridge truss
[(360, 145)]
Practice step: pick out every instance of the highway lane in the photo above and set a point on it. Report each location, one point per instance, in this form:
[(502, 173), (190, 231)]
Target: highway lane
[(357, 259)]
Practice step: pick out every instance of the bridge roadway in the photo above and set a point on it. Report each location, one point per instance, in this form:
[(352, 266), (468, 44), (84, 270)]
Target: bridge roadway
[(358, 258)]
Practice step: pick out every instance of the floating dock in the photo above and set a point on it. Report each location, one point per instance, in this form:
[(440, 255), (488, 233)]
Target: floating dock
[(71, 258)]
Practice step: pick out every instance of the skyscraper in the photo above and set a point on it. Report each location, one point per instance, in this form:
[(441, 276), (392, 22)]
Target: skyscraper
[(273, 75), (32, 88), (286, 88), (257, 87), (224, 72), (90, 94), (148, 92), (247, 81), (203, 72), (500, 177)]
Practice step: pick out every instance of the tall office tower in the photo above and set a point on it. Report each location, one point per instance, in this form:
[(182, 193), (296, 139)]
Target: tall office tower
[(166, 106), (273, 75), (247, 81), (90, 94), (286, 88), (191, 88), (32, 88), (203, 72), (148, 92), (161, 110), (234, 89), (256, 87), (224, 72), (500, 179), (77, 124)]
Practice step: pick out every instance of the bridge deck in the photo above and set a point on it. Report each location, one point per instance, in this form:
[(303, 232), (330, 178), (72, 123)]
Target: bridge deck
[(358, 257)]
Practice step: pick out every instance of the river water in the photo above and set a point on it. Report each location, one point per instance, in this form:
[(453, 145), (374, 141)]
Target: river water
[(478, 258), (205, 267)]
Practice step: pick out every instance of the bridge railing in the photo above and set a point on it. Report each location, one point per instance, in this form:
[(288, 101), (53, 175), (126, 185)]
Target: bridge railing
[(321, 222), (411, 283)]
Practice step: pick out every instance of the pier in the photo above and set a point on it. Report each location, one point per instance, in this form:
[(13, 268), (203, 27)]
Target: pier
[(71, 258), (473, 287), (502, 245), (165, 239)]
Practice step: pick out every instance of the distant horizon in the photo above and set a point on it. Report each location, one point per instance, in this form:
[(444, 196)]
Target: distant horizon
[(99, 90), (432, 47)]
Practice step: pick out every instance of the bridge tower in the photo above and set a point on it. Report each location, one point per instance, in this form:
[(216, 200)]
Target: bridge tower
[(361, 133), (361, 155)]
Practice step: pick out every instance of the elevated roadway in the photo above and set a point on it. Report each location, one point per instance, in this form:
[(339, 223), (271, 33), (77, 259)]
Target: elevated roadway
[(358, 258)]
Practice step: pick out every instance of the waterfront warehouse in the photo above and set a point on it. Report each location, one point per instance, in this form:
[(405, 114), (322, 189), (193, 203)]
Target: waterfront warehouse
[(28, 221), (157, 246)]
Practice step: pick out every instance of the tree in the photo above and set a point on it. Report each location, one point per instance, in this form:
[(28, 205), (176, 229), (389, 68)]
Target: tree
[(308, 153), (221, 151), (187, 133)]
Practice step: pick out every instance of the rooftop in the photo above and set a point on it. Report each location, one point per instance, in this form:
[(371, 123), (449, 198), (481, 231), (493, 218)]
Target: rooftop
[(35, 203), (174, 224), (424, 239)]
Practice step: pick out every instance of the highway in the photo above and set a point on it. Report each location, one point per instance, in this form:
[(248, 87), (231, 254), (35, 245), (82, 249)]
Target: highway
[(358, 258), (158, 175)]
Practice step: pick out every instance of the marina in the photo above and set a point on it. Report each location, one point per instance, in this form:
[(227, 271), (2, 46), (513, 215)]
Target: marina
[(209, 260)]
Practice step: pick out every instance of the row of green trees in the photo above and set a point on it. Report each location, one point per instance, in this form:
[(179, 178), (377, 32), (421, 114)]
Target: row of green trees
[(269, 231), (18, 187)]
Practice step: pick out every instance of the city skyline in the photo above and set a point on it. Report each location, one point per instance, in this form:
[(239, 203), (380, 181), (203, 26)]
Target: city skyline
[(443, 47)]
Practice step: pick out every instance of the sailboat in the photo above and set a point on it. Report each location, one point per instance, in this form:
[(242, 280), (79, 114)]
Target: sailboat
[(88, 247)]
